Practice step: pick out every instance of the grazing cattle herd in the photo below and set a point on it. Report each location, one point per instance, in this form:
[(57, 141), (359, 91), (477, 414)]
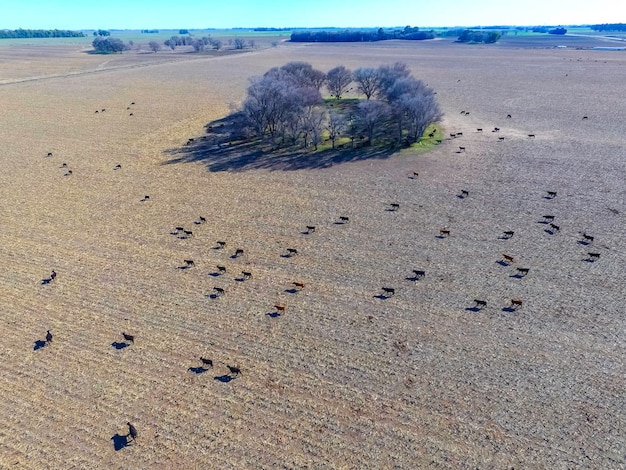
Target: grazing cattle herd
[(180, 232)]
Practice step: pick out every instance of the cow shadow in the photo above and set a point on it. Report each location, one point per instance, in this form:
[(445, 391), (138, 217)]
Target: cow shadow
[(516, 276), (382, 296), (273, 314), (212, 296), (548, 231), (441, 237), (286, 255), (197, 370), (583, 242), (509, 309), (215, 274), (291, 291), (503, 263), (119, 442), (413, 278), (543, 222), (473, 309), (46, 281), (460, 196), (40, 343), (224, 378), (240, 279), (183, 267), (118, 345), (589, 259)]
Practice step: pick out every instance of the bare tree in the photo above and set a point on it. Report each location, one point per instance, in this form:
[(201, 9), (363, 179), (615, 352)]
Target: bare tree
[(304, 75), (421, 110), (216, 43), (154, 46), (334, 126), (283, 104), (338, 80), (198, 45), (239, 43), (171, 43), (389, 74), (370, 115), (405, 86), (312, 125), (367, 81), (352, 125)]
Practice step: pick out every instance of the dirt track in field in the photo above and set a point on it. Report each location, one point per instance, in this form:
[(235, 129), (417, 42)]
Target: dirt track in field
[(344, 378)]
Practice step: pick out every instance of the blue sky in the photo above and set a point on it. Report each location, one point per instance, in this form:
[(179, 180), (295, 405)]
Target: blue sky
[(164, 14)]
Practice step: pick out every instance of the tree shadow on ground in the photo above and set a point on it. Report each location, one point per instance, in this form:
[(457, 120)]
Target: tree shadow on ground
[(227, 147)]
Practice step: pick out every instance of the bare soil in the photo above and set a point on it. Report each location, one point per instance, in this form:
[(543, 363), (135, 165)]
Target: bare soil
[(345, 377)]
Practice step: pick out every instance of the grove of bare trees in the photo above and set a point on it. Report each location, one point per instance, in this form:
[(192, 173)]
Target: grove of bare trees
[(286, 106)]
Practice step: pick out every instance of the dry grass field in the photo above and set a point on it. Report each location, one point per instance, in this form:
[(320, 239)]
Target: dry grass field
[(343, 378)]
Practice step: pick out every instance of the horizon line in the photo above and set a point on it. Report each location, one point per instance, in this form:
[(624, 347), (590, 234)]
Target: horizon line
[(290, 28)]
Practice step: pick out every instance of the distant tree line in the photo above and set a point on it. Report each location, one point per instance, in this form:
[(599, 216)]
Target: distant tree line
[(149, 31), (199, 44), (408, 33), (101, 32), (39, 33), (609, 27), (487, 37), (272, 29), (286, 105)]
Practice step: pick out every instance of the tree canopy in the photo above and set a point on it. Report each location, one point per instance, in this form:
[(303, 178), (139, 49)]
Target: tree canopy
[(559, 31), (109, 45), (487, 37)]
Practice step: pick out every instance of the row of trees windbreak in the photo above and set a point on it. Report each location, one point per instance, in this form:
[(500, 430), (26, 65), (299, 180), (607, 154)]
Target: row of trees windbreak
[(106, 45), (353, 35), (39, 33), (286, 106), (609, 27)]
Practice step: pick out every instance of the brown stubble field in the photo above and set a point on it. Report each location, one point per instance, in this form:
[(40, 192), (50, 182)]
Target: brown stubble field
[(342, 379)]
